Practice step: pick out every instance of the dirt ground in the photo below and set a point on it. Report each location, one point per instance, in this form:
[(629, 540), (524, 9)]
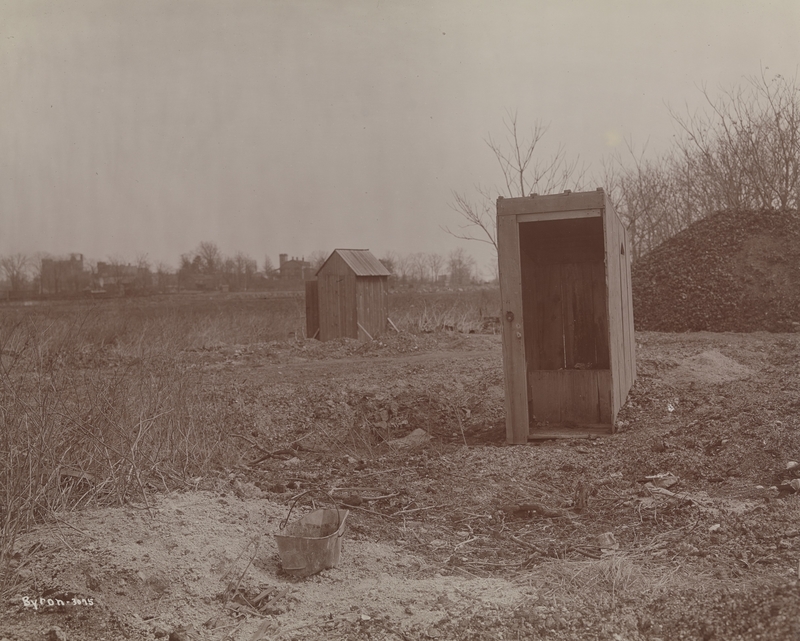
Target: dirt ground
[(683, 525)]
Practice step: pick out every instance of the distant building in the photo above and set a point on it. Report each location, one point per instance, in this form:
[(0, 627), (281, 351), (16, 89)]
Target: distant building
[(64, 276), (294, 269), (118, 277)]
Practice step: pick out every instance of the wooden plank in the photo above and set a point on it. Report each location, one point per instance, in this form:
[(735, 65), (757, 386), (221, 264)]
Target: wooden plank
[(625, 370), (559, 215), (373, 308), (349, 305), (512, 318), (551, 203), (550, 319), (600, 315), (571, 306), (623, 304), (546, 396), (581, 397), (336, 265), (631, 331), (630, 337), (363, 331), (564, 241), (581, 298), (613, 310), (531, 305), (559, 432), (328, 290), (605, 396), (626, 309), (312, 308)]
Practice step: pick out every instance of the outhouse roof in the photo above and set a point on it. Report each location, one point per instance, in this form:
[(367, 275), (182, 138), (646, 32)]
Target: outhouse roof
[(361, 261)]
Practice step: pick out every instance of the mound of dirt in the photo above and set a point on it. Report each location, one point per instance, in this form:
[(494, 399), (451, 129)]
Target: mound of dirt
[(735, 271), (200, 565), (710, 367)]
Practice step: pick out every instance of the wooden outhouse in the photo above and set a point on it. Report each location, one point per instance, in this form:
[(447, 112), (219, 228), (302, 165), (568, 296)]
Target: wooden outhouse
[(567, 314), (352, 297)]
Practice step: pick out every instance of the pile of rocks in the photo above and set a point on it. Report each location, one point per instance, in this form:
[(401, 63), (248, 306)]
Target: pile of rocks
[(734, 271)]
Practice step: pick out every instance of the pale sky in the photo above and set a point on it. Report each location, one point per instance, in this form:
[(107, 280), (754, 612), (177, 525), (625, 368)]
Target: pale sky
[(286, 126)]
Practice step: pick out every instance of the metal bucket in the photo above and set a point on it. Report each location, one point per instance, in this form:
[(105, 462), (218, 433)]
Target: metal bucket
[(313, 542)]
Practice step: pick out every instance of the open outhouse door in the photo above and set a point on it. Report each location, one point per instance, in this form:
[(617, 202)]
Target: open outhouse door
[(567, 314)]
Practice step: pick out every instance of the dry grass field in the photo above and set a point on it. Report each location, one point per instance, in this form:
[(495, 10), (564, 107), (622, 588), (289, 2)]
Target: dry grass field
[(149, 450), (97, 391)]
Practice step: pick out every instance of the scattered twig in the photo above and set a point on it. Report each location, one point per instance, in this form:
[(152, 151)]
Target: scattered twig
[(252, 442), (416, 536), (380, 498), (73, 527), (241, 606), (455, 410), (334, 490), (474, 538), (530, 546), (458, 568), (418, 509), (499, 565), (249, 563), (364, 509)]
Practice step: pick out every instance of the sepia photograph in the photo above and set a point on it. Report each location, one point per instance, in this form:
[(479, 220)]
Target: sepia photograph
[(399, 320)]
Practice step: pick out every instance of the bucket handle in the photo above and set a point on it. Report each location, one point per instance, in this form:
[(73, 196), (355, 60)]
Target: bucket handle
[(285, 521)]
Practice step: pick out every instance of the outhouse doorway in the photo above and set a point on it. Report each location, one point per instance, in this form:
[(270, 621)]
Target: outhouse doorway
[(568, 342)]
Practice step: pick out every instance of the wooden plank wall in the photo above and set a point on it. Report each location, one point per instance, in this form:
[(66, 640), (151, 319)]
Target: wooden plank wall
[(620, 308), (337, 300), (563, 291), (512, 318), (312, 309), (614, 310), (628, 336), (575, 396), (630, 330), (372, 305)]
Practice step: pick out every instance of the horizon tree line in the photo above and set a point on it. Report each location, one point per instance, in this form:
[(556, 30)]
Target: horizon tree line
[(206, 267)]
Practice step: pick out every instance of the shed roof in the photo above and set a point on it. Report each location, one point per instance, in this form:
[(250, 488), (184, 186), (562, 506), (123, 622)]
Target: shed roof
[(361, 261)]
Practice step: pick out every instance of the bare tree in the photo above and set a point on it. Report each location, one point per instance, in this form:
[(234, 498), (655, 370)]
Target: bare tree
[(405, 267), (741, 153), (16, 268), (317, 258), (244, 268), (744, 149), (435, 265), (389, 261), (419, 267), (644, 194), (269, 267), (163, 276), (461, 266), (144, 275), (523, 173), (211, 258)]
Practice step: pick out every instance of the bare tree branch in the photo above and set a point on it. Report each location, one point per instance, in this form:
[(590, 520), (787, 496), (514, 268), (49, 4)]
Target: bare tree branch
[(522, 174)]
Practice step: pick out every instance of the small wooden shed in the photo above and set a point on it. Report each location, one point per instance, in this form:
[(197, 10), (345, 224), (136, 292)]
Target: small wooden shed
[(350, 298), (567, 314)]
